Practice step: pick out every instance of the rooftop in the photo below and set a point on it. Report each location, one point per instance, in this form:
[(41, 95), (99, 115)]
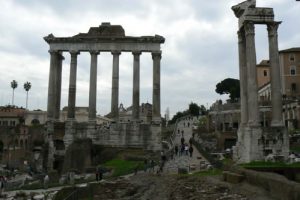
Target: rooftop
[(294, 49)]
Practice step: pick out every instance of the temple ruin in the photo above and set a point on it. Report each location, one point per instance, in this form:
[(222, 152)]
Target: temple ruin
[(105, 38), (255, 142)]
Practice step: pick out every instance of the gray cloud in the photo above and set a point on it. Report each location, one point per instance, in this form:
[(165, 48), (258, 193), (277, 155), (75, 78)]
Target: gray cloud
[(200, 48)]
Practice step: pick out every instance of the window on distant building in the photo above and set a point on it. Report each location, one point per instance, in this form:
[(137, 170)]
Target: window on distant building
[(292, 57), (265, 73), (293, 87), (293, 70)]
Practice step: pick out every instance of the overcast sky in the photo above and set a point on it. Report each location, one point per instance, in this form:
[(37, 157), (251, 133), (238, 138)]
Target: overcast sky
[(200, 48)]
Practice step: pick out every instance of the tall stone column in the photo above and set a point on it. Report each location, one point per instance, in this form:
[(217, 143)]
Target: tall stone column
[(253, 112), (72, 85), (136, 86), (93, 86), (243, 77), (275, 75), (51, 85), (156, 56), (115, 86), (58, 86)]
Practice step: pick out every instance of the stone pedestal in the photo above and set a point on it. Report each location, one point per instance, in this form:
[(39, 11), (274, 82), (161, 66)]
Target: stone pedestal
[(91, 130), (257, 143), (49, 140), (70, 132), (248, 148)]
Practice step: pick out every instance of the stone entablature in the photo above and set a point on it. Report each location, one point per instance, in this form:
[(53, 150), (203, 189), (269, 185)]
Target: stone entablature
[(105, 38)]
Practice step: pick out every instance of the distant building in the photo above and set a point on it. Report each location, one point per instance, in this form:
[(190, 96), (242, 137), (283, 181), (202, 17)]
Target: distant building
[(263, 73), (290, 71), (11, 115), (81, 115)]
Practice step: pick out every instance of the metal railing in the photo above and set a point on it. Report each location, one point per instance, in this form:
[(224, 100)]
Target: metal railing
[(73, 195)]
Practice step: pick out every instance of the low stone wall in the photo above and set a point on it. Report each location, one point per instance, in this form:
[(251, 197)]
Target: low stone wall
[(278, 186)]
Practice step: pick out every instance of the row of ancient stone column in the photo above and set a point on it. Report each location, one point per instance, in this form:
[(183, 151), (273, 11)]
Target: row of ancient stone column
[(54, 90), (248, 76)]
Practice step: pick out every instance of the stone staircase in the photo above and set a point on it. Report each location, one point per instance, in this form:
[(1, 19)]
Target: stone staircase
[(184, 162)]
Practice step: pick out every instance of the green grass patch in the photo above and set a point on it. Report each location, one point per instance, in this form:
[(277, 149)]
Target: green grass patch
[(123, 167), (295, 149), (211, 172), (262, 164)]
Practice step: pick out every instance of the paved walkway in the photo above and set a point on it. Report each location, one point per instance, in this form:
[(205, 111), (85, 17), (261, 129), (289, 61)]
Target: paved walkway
[(184, 128)]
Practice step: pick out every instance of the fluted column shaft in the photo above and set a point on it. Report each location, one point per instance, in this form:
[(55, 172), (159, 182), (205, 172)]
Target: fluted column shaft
[(243, 77), (72, 85), (51, 86), (156, 56), (115, 86), (136, 86), (58, 86), (275, 75), (93, 86), (253, 112)]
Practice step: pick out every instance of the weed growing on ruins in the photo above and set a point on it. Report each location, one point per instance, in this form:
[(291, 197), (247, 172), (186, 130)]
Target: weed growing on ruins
[(123, 167), (212, 172), (262, 164)]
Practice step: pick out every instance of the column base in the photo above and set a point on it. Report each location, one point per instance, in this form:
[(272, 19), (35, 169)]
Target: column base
[(253, 124), (277, 123), (156, 120)]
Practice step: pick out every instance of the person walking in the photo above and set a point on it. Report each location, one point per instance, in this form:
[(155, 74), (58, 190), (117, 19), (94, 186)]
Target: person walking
[(1, 185), (46, 181), (181, 149), (176, 150), (182, 140), (191, 149), (186, 149), (152, 165), (145, 165)]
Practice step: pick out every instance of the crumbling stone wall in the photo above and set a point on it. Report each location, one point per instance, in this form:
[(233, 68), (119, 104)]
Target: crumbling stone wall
[(78, 155)]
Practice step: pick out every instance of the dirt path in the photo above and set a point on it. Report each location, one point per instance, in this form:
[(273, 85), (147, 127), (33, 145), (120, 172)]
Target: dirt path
[(173, 187)]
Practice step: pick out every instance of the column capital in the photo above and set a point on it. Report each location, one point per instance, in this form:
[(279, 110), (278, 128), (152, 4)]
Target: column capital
[(115, 52), (74, 52), (272, 28), (156, 55), (249, 28), (136, 53), (94, 52), (53, 51)]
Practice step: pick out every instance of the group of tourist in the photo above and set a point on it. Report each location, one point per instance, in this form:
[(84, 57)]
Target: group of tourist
[(184, 148)]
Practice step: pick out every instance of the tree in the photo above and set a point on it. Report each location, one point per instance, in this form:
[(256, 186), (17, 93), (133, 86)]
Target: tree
[(194, 109), (27, 87), (229, 86), (203, 110), (14, 85), (178, 115)]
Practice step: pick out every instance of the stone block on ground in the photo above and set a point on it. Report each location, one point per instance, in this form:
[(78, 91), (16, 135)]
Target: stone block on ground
[(182, 170), (232, 177), (193, 167)]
